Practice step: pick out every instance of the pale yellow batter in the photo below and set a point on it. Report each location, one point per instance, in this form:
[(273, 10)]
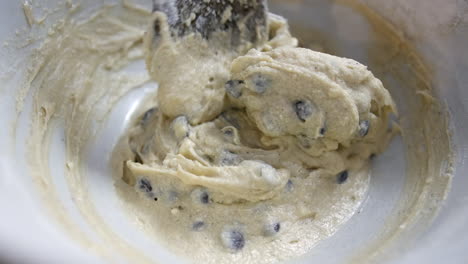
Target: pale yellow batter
[(249, 154)]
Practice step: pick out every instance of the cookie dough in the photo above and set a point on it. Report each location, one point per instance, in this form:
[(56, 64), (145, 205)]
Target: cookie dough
[(98, 56), (240, 151)]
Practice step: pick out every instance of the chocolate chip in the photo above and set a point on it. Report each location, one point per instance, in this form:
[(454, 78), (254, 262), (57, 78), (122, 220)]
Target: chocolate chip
[(144, 185), (198, 225), (271, 229), (234, 88), (322, 131), (303, 109), (200, 195), (228, 131), (363, 128), (260, 83), (289, 185), (342, 177), (233, 239), (204, 198), (276, 227), (237, 239)]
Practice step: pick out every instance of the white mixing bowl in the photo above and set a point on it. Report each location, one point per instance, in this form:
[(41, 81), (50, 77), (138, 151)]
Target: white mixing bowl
[(438, 29)]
